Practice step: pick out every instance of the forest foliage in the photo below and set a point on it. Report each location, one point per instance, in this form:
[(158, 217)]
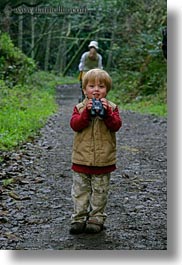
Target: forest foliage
[(51, 35), (55, 33), (25, 100)]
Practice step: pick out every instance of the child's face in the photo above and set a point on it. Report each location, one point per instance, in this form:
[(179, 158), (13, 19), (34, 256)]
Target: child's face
[(95, 89)]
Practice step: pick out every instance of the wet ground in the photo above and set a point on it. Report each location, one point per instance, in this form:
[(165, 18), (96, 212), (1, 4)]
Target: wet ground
[(35, 208)]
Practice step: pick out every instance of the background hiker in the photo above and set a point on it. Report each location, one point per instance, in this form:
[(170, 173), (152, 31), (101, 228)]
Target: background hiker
[(89, 60)]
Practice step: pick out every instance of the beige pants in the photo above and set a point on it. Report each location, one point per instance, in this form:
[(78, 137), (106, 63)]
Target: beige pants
[(89, 193)]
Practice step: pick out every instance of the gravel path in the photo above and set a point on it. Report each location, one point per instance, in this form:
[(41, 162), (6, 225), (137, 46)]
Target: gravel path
[(35, 209)]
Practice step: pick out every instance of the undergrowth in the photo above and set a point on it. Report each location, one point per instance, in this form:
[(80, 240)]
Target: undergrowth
[(24, 109), (153, 104)]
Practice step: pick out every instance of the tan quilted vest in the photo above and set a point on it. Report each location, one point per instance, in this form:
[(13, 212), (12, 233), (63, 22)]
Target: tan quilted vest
[(96, 144)]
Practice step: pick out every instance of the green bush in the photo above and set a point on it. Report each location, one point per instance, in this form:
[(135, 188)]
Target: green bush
[(15, 67), (24, 110)]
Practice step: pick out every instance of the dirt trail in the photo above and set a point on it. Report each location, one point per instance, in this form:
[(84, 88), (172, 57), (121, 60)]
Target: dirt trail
[(35, 210)]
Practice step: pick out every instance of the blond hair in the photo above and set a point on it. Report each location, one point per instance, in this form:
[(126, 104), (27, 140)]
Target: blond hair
[(97, 74)]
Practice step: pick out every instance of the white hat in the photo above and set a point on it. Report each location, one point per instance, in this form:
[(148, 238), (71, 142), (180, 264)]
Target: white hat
[(93, 44)]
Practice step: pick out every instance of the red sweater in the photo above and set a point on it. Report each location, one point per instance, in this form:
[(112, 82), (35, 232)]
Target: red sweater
[(79, 121)]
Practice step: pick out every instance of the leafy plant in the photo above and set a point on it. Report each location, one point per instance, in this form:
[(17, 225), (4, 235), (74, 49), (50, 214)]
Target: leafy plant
[(23, 111), (7, 182), (15, 67), (25, 108)]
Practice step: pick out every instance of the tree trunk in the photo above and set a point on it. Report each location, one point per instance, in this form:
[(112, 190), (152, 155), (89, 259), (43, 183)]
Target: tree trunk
[(59, 59), (32, 36), (46, 62), (75, 56), (6, 20), (109, 59), (20, 31), (78, 52)]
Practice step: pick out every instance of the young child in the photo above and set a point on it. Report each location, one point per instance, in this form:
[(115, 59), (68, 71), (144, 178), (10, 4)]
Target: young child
[(94, 153)]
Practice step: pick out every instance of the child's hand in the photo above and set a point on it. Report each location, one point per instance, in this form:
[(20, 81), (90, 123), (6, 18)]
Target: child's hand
[(89, 104), (104, 103)]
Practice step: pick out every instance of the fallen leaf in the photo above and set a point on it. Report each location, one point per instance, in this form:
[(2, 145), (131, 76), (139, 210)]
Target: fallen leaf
[(14, 195)]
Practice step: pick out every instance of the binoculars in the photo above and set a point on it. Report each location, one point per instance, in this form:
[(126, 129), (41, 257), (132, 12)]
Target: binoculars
[(97, 108)]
